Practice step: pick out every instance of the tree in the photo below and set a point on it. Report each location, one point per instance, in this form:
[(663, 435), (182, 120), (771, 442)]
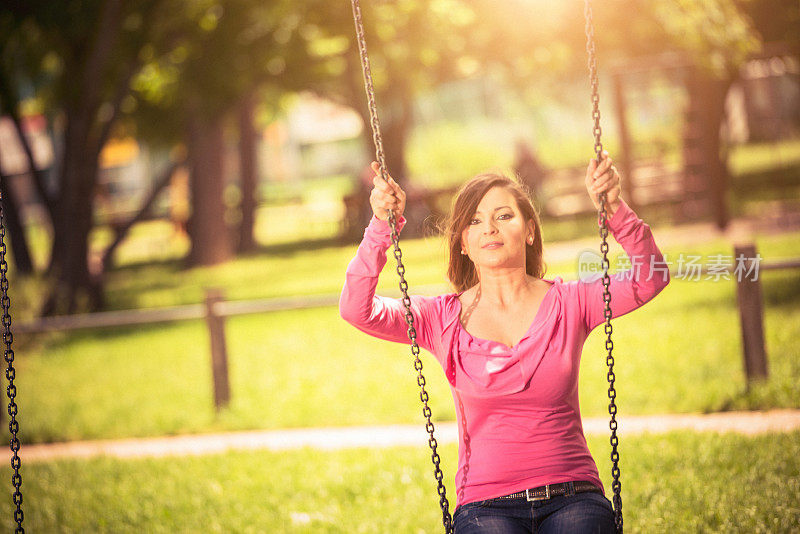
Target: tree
[(236, 49), (249, 174), (167, 70), (413, 46), (417, 45), (13, 225), (80, 56), (10, 48)]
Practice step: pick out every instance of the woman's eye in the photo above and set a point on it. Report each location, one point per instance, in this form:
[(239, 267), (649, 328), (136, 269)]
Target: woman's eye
[(475, 221), (504, 216)]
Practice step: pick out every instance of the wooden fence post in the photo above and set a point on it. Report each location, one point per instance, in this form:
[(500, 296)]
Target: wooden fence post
[(749, 297), (219, 354)]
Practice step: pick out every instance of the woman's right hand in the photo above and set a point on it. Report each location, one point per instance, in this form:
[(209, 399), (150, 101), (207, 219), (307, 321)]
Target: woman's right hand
[(386, 196)]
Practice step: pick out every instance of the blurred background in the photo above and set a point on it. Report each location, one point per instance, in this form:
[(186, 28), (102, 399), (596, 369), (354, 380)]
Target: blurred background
[(164, 159)]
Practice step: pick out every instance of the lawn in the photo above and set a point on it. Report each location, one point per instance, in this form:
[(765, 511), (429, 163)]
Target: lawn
[(309, 368), (677, 482)]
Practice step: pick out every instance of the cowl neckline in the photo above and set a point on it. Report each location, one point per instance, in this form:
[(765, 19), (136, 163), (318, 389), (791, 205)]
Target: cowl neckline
[(485, 367), (491, 346)]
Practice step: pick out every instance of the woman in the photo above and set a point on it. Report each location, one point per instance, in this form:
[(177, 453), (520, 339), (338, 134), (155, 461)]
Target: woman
[(510, 344)]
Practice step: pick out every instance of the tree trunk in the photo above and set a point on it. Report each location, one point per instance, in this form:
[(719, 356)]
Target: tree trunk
[(161, 183), (626, 155), (37, 175), (74, 284), (73, 280), (396, 119), (9, 104), (706, 176), (249, 174), (210, 241), (13, 225), (394, 114), (395, 136), (713, 93)]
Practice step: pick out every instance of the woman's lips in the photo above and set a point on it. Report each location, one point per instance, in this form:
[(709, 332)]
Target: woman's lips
[(493, 244)]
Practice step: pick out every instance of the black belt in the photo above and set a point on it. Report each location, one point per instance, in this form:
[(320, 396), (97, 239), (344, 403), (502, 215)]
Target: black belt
[(553, 490)]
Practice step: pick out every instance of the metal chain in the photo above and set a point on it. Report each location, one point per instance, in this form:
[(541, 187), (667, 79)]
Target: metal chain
[(412, 333), (11, 391), (616, 486)]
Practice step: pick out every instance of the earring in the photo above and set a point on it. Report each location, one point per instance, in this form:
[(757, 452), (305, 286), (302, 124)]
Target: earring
[(530, 241), (463, 252)]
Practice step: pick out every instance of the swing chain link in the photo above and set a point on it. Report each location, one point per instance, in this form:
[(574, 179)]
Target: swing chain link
[(11, 391), (616, 485), (412, 333)]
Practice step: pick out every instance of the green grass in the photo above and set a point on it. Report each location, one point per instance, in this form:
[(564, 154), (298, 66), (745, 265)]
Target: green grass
[(292, 271), (447, 153), (677, 482), (761, 157), (309, 368)]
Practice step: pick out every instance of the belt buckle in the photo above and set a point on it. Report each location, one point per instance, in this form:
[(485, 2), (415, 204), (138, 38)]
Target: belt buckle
[(547, 494)]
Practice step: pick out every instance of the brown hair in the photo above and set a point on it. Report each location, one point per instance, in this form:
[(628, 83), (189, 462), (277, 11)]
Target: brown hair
[(460, 269)]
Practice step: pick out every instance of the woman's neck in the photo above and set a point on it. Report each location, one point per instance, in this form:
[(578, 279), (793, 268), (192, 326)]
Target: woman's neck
[(504, 288)]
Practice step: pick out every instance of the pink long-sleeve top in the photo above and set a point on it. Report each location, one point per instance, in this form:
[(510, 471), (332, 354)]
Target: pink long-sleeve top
[(517, 407)]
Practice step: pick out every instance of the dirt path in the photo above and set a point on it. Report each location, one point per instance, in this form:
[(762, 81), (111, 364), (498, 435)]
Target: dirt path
[(389, 436)]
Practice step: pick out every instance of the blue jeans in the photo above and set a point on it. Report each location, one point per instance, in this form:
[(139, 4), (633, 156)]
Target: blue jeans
[(580, 513)]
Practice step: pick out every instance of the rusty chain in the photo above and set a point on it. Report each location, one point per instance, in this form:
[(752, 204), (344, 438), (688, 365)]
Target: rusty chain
[(412, 333), (11, 390), (616, 485)]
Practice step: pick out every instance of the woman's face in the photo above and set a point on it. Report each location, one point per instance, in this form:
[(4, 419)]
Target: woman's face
[(497, 233)]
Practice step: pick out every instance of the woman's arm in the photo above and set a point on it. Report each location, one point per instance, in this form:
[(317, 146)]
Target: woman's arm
[(358, 305), (648, 274), (380, 316), (634, 287)]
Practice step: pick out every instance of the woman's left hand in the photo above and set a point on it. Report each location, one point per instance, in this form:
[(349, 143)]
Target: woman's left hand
[(604, 179)]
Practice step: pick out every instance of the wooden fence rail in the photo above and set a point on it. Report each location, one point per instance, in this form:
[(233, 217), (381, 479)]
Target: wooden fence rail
[(214, 310)]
